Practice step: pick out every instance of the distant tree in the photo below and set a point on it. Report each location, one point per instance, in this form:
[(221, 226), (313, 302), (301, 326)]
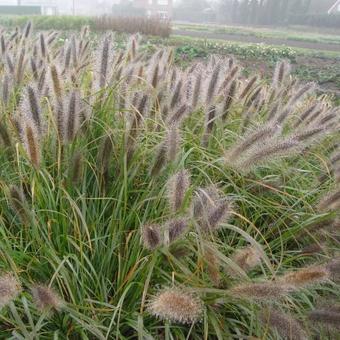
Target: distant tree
[(192, 10), (225, 11), (254, 11), (244, 12), (235, 11), (127, 8)]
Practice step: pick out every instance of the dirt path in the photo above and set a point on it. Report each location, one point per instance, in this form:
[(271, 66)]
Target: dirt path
[(257, 40)]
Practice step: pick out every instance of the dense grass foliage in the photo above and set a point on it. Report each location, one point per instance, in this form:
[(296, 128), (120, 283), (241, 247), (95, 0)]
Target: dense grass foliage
[(143, 201), (143, 25)]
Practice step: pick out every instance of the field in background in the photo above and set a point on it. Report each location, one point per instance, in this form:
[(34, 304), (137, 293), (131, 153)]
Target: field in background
[(294, 33)]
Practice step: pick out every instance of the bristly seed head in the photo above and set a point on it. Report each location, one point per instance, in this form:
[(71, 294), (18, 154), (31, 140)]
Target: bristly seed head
[(45, 298), (333, 267), (31, 143), (176, 228), (178, 185), (247, 258), (260, 291), (173, 141), (306, 276), (329, 316), (151, 236), (176, 305), (287, 327), (215, 215), (10, 288)]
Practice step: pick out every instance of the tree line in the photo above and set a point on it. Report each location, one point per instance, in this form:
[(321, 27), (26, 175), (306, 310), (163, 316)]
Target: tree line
[(261, 12)]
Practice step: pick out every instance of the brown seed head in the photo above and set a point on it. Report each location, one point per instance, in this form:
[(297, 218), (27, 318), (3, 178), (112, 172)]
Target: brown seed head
[(176, 305), (151, 236), (45, 298), (287, 327), (9, 288)]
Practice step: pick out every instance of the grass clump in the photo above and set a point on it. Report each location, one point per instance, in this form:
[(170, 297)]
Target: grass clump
[(160, 202)]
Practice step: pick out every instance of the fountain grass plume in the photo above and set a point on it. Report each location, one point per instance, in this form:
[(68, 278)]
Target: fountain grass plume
[(209, 125), (270, 152), (42, 80), (178, 186), (46, 298), (176, 305), (173, 78), (286, 326), (178, 115), (52, 37), (263, 291), (30, 137), (19, 203), (173, 142), (204, 200), (331, 201), (313, 118), (27, 30), (34, 69), (33, 107), (281, 72), (247, 258), (67, 61), (306, 276), (155, 76), (213, 84), (176, 97), (20, 66), (197, 91), (10, 288), (104, 63), (73, 116), (57, 83), (248, 87), (10, 65), (217, 215), (209, 210), (213, 265), (43, 47), (3, 45), (333, 267), (329, 316), (232, 75), (160, 159), (229, 99), (151, 236), (310, 134), (260, 135), (255, 95), (74, 52), (306, 114), (301, 93), (176, 228)]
